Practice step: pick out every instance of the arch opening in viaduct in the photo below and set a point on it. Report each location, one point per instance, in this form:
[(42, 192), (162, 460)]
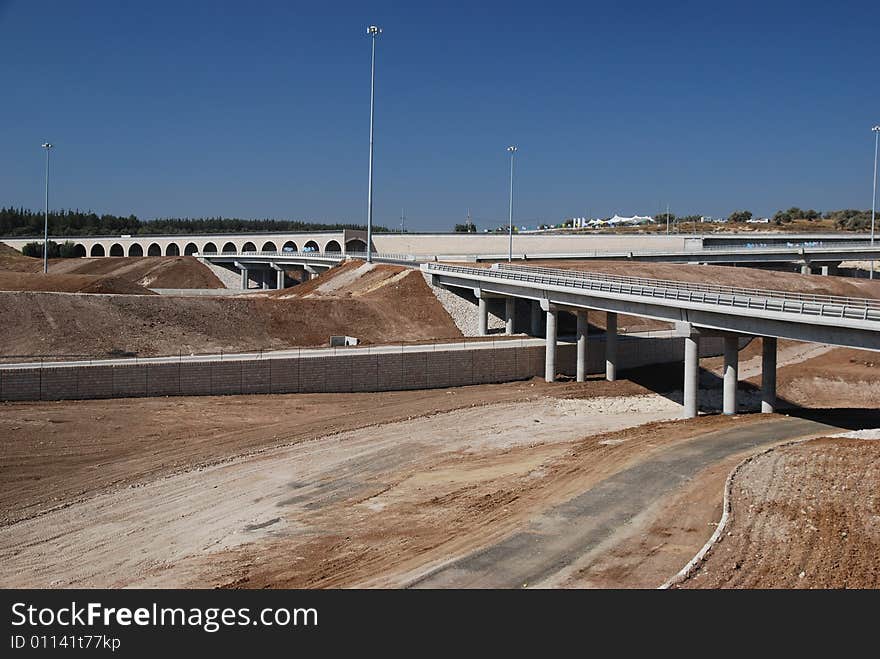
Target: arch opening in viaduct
[(209, 248), (190, 249), (154, 250), (97, 250), (289, 246), (249, 247), (333, 246), (355, 245), (116, 250), (79, 251), (172, 250), (269, 246), (229, 248), (135, 250), (310, 246)]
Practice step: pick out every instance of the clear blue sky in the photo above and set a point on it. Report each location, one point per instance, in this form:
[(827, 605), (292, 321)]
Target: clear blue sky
[(260, 109)]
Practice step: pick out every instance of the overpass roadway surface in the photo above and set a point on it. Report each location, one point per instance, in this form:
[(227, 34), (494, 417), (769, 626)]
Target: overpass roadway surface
[(558, 541), (848, 322)]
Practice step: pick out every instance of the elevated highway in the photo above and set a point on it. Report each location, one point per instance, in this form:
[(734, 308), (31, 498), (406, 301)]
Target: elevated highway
[(696, 309)]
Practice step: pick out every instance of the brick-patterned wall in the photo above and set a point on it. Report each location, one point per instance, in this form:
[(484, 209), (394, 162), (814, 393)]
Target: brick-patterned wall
[(339, 373)]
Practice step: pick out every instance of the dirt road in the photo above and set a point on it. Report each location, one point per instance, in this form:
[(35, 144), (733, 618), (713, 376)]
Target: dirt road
[(154, 534)]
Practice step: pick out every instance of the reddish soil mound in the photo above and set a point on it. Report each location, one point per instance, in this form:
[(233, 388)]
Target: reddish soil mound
[(148, 271), (7, 251), (158, 325), (26, 281), (802, 516)]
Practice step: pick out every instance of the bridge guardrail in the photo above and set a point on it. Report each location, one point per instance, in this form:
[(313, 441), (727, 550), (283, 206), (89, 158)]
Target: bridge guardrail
[(723, 296), (711, 288)]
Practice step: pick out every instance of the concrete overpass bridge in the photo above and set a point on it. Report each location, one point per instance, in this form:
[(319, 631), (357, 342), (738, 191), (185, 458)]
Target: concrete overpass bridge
[(697, 310)]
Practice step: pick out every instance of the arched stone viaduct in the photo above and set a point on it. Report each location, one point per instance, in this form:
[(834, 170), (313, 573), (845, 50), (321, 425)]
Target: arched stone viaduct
[(186, 245)]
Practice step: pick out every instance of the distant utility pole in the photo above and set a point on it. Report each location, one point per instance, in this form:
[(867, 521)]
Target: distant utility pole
[(667, 219), (876, 131), (374, 32), (512, 150), (48, 148), (468, 222), (402, 221)]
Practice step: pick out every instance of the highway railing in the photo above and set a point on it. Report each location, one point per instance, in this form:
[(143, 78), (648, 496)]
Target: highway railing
[(858, 302), (814, 305)]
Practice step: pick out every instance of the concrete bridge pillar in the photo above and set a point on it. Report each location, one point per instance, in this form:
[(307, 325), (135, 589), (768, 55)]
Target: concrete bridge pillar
[(829, 269), (610, 346), (264, 278), (483, 312), (731, 373), (550, 349), (279, 279), (582, 328), (509, 314), (691, 375), (536, 318), (768, 374), (806, 269), (244, 278)]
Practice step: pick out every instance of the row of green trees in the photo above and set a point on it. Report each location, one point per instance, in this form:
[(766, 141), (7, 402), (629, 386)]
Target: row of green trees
[(25, 222), (66, 250)]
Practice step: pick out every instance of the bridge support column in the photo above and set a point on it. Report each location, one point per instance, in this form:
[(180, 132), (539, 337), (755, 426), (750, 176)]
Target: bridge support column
[(483, 312), (768, 374), (806, 269), (509, 314), (279, 279), (829, 269), (582, 328), (536, 318), (244, 278), (264, 276), (731, 373), (691, 375), (610, 346), (550, 349)]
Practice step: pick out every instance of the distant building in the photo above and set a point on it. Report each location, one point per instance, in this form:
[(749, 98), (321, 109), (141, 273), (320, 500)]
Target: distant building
[(758, 220)]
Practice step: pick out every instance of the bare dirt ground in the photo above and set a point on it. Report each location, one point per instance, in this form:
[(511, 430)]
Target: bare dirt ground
[(123, 275), (18, 281), (345, 490), (392, 306), (446, 471), (802, 516)]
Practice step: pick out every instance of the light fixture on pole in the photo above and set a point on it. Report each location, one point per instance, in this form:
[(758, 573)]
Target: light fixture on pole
[(876, 131), (512, 150), (374, 32), (48, 148)]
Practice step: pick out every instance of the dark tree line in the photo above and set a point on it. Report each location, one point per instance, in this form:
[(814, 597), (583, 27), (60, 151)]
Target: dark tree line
[(25, 222)]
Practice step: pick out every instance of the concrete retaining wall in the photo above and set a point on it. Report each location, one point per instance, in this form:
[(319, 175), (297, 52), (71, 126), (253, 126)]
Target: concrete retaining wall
[(341, 373)]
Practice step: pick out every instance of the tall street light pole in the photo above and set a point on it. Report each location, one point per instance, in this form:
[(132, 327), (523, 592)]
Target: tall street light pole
[(512, 150), (48, 148), (374, 32), (876, 131)]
